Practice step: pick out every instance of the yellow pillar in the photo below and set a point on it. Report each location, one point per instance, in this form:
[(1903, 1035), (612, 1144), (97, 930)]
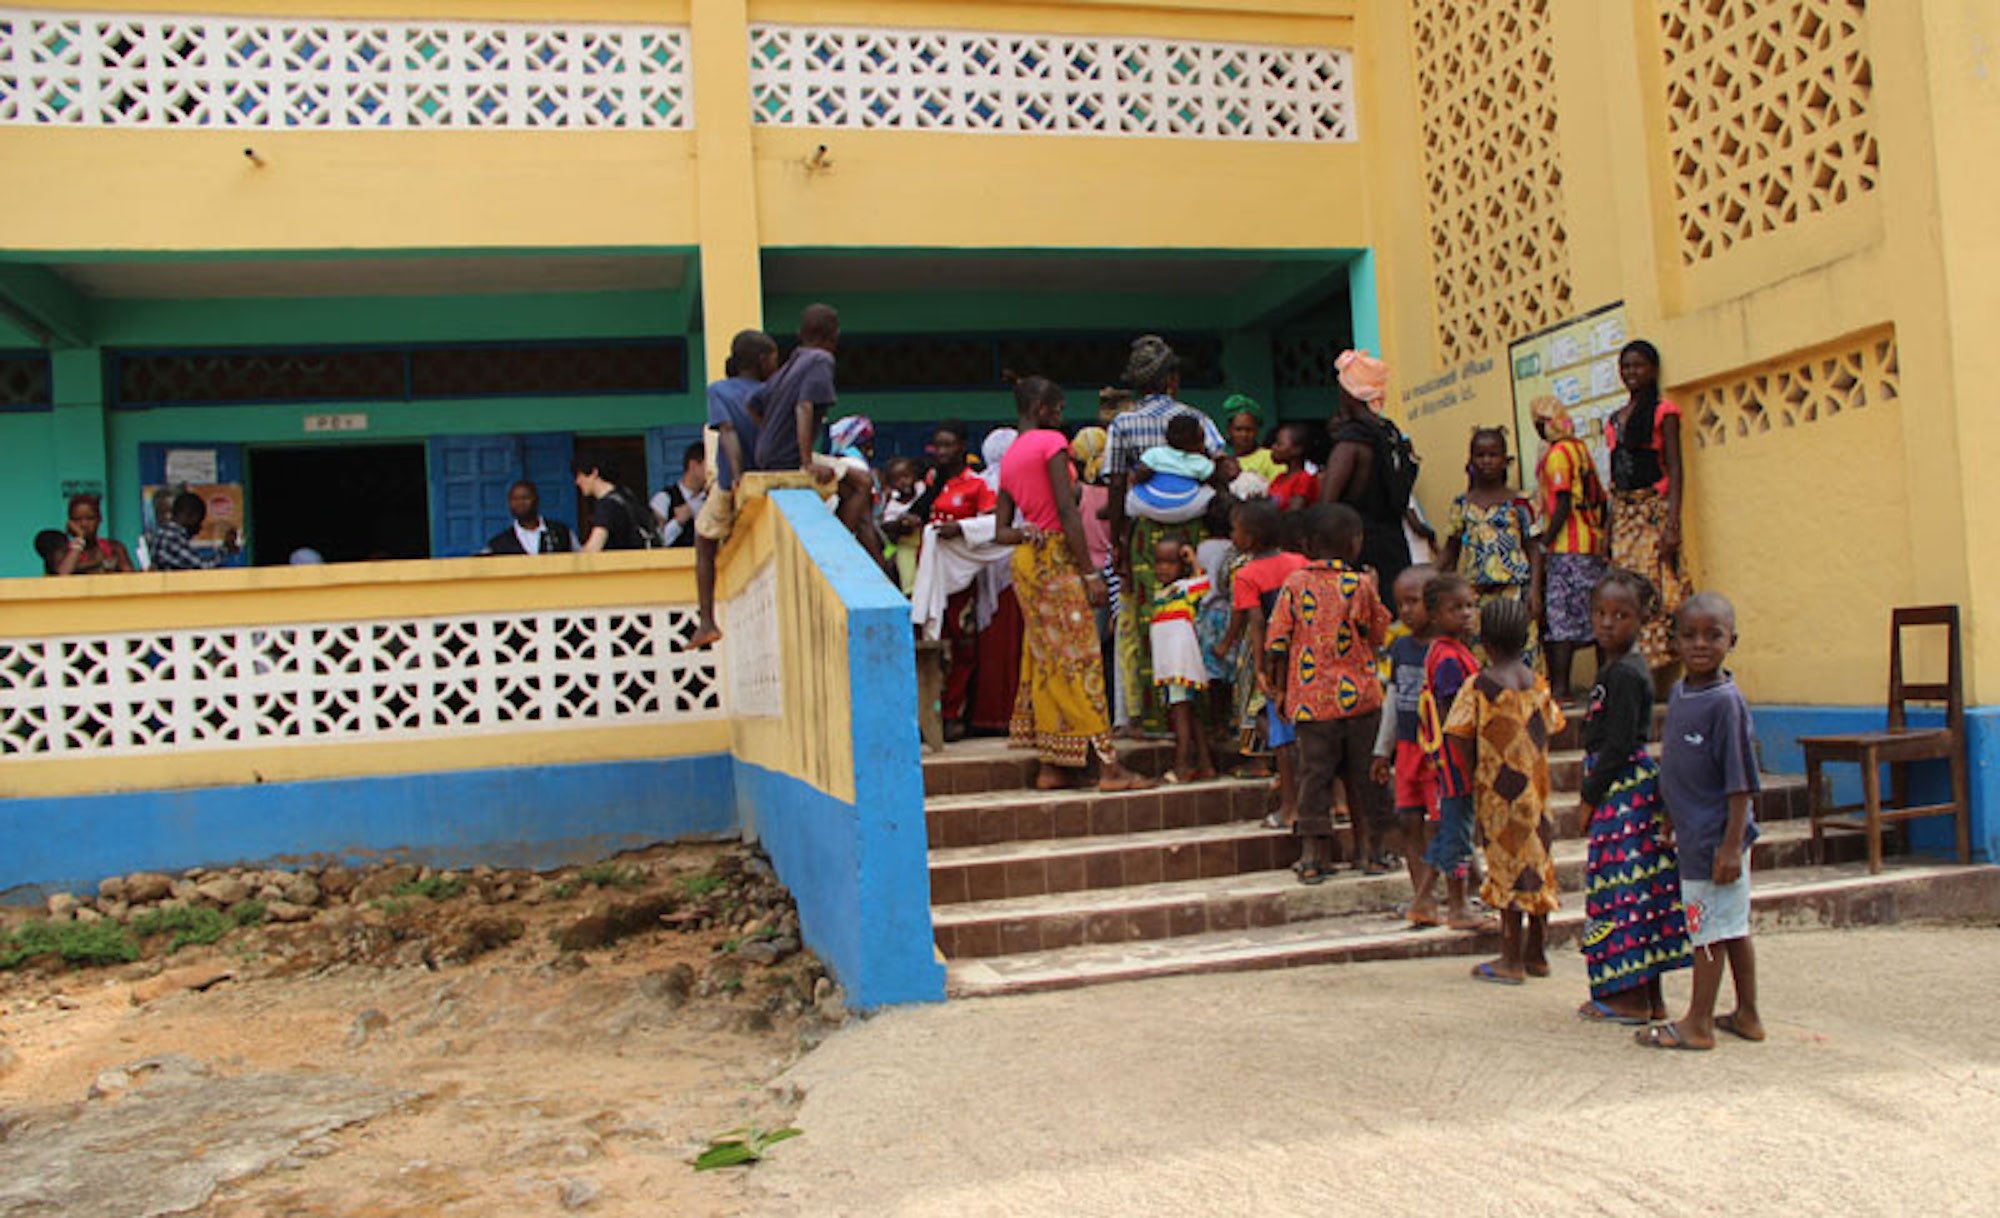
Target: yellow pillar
[(732, 290)]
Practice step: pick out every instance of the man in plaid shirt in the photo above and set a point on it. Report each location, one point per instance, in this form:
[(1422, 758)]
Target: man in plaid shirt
[(1154, 372), (173, 545)]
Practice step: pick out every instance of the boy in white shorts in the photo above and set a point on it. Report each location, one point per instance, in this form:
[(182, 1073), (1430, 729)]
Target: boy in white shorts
[(1708, 780)]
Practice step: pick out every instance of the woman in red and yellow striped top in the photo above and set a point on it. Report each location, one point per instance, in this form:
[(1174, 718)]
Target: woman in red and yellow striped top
[(1574, 537)]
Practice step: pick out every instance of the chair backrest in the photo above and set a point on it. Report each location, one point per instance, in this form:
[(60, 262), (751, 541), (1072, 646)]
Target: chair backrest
[(1951, 692)]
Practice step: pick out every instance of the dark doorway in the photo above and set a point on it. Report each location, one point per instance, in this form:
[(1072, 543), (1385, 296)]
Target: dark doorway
[(624, 455), (352, 503)]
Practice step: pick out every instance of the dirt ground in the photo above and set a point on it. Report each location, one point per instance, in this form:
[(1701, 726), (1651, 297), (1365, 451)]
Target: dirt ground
[(1406, 1088), (351, 1065)]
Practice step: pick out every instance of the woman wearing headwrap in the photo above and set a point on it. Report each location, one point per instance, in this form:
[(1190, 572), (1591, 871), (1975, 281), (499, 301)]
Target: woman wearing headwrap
[(999, 663), (1153, 371), (852, 436), (1646, 476), (1571, 503), (1362, 469), (1244, 418)]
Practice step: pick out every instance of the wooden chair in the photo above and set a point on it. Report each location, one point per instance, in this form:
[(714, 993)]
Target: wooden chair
[(1899, 747)]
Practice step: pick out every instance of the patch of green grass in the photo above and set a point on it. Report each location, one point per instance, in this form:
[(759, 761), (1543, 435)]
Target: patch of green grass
[(562, 891), (437, 888), (698, 885), (250, 913), (607, 875), (395, 907), (188, 924), (79, 943)]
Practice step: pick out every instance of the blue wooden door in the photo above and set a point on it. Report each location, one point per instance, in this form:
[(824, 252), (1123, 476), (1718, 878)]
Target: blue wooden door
[(469, 480), (545, 460), (665, 447)]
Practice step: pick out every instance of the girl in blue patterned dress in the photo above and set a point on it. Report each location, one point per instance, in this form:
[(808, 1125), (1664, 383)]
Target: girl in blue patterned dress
[(1635, 929), (1490, 539)]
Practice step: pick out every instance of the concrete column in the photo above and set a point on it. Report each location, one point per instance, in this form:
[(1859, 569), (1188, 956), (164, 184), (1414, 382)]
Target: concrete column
[(732, 290), (77, 434)]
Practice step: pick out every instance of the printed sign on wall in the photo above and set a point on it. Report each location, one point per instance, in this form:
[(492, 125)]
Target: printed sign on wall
[(1577, 363)]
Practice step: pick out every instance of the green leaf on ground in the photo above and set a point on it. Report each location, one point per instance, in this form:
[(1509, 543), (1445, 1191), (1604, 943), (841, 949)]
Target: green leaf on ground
[(741, 1146)]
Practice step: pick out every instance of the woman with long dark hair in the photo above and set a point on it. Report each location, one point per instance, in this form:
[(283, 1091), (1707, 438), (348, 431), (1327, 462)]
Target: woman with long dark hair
[(1647, 477)]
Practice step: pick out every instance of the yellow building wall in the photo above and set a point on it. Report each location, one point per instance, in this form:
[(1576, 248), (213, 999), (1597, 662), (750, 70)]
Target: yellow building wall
[(1819, 525)]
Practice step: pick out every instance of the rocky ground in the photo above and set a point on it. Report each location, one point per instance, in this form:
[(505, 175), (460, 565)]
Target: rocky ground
[(395, 1040)]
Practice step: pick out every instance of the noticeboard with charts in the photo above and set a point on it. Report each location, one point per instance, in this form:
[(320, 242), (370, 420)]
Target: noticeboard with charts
[(1577, 364)]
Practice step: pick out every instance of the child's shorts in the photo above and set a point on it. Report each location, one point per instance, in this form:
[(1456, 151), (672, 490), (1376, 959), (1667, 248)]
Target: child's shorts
[(1717, 913), (1416, 780), (1278, 730), (1450, 851)]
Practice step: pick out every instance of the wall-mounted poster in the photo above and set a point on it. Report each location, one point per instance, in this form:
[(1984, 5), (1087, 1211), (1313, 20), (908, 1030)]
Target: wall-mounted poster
[(1577, 362)]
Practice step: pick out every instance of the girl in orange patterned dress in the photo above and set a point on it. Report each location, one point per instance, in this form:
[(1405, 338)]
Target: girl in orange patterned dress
[(1500, 727)]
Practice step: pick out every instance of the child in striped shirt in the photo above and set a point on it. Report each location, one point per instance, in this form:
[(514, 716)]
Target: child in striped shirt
[(1178, 669)]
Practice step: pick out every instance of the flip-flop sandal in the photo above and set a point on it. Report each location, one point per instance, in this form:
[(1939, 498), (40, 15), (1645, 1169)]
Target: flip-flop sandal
[(1537, 970), (1426, 922), (1272, 821), (1727, 1023), (1311, 875), (1665, 1036), (1597, 1012), (1478, 926), (1485, 972)]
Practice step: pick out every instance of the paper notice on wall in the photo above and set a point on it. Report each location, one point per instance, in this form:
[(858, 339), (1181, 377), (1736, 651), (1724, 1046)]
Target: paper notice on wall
[(1577, 363), (191, 466)]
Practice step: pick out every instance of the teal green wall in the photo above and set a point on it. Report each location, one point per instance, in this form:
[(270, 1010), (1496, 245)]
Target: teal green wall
[(29, 501)]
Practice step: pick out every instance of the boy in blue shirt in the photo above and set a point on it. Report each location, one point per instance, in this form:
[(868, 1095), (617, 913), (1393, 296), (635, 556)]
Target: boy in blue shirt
[(1708, 777), (753, 356)]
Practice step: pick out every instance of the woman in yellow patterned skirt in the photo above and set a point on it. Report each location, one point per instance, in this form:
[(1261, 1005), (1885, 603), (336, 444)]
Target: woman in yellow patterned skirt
[(1646, 486)]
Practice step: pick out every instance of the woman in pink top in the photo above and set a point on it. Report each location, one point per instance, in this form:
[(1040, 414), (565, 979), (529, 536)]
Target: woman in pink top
[(1060, 711)]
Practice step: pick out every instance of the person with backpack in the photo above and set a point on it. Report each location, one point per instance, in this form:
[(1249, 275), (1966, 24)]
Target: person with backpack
[(1571, 503), (618, 521), (1372, 468)]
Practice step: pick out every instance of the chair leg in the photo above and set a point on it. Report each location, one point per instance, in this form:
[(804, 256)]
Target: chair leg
[(1871, 797), (1813, 809), (1899, 797)]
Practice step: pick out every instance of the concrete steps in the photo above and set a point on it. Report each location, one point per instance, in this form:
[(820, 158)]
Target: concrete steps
[(1047, 889), (1842, 895)]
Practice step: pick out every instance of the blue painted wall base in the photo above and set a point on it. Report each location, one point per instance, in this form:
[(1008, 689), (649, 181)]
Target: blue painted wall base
[(1780, 727), (859, 871), (533, 816)]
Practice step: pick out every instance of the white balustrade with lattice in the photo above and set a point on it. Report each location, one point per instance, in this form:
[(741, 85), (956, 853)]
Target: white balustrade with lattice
[(137, 70), (150, 692), (1048, 84)]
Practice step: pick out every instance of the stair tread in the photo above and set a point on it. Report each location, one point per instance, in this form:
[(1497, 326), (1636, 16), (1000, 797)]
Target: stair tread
[(1028, 795), (1086, 901), (1054, 847), (1248, 948)]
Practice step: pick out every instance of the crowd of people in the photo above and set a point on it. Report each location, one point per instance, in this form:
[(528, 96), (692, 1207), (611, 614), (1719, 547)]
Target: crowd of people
[(1252, 592)]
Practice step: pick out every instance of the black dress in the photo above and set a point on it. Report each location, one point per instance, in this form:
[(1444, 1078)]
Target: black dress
[(1384, 546)]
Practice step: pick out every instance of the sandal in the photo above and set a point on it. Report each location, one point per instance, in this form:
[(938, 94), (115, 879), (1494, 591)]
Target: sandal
[(1272, 821), (1486, 972), (1376, 866), (1598, 1012), (1312, 873), (1666, 1036)]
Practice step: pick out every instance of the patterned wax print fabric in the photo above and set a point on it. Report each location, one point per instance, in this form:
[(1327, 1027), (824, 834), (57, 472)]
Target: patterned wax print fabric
[(1492, 541), (1567, 471), (1060, 709), (1176, 647), (1510, 729), (1638, 520), (1328, 622), (1634, 926), (1135, 657), (1567, 582)]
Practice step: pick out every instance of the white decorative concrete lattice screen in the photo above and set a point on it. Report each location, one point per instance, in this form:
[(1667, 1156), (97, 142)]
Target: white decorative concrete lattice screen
[(131, 70), (349, 682), (755, 648), (1047, 84)]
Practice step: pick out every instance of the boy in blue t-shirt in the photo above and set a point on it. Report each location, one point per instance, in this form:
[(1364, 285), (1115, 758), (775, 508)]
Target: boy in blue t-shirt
[(1708, 777), (753, 356)]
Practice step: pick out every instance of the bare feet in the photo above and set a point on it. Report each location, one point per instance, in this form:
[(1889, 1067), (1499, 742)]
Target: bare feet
[(1536, 968), (1741, 1024), (1051, 778), (705, 635), (1112, 776), (1467, 920), (1424, 913)]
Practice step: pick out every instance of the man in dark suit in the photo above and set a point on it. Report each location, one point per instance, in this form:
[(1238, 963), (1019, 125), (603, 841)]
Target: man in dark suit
[(531, 532)]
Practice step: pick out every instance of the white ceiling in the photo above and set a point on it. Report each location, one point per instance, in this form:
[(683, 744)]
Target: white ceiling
[(427, 275)]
